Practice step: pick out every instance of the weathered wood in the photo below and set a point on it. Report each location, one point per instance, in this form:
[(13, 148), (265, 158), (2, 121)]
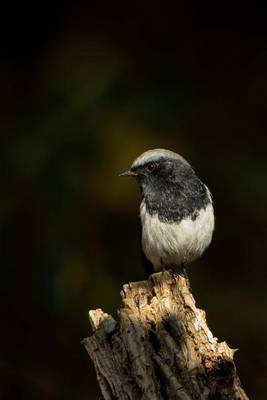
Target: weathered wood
[(161, 348)]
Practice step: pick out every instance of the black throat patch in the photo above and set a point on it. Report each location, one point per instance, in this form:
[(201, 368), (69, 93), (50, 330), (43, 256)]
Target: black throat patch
[(180, 196)]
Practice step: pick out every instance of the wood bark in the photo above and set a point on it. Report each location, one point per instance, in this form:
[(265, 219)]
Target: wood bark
[(161, 347)]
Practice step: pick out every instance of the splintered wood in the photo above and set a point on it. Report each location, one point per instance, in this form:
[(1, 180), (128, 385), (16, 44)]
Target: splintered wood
[(161, 347)]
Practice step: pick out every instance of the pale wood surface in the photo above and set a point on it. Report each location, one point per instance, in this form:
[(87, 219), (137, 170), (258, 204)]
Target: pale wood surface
[(161, 347)]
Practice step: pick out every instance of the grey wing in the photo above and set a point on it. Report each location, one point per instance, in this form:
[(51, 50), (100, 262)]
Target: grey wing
[(148, 266)]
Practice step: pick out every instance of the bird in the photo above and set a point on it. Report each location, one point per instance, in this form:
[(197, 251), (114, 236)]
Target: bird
[(176, 211)]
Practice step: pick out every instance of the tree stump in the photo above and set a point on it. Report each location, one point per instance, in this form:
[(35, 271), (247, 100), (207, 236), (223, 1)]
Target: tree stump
[(161, 348)]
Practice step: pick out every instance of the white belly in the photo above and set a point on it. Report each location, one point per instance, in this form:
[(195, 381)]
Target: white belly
[(172, 244)]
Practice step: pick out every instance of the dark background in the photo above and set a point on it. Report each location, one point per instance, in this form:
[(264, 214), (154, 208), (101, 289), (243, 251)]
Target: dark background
[(84, 90)]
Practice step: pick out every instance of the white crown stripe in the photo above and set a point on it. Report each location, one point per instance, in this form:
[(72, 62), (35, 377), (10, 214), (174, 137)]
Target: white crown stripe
[(154, 155)]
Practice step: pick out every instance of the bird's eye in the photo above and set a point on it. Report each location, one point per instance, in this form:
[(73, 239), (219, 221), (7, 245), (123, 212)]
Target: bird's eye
[(151, 166)]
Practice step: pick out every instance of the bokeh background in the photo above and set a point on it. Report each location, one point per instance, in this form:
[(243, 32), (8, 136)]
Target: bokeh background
[(84, 89)]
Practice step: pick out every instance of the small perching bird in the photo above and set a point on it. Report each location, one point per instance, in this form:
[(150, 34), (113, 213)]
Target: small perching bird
[(176, 212)]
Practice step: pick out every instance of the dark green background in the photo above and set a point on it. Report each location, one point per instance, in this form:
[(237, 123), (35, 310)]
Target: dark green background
[(84, 90)]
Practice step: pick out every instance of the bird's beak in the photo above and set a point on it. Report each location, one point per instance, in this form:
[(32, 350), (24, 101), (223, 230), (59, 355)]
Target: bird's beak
[(128, 173)]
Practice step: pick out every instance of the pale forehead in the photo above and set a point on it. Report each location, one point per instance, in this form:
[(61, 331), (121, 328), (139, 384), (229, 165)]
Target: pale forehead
[(154, 155)]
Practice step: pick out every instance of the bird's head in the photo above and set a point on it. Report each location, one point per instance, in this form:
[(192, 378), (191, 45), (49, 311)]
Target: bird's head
[(158, 169)]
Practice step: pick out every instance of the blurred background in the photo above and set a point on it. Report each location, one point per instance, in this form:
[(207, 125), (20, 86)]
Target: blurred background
[(84, 90)]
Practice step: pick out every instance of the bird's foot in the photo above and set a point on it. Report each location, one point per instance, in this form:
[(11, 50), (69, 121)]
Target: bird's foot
[(187, 279)]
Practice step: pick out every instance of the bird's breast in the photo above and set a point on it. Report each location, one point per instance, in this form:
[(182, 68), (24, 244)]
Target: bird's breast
[(168, 244)]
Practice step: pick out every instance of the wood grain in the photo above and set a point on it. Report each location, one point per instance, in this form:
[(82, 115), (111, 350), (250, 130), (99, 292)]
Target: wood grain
[(161, 346)]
